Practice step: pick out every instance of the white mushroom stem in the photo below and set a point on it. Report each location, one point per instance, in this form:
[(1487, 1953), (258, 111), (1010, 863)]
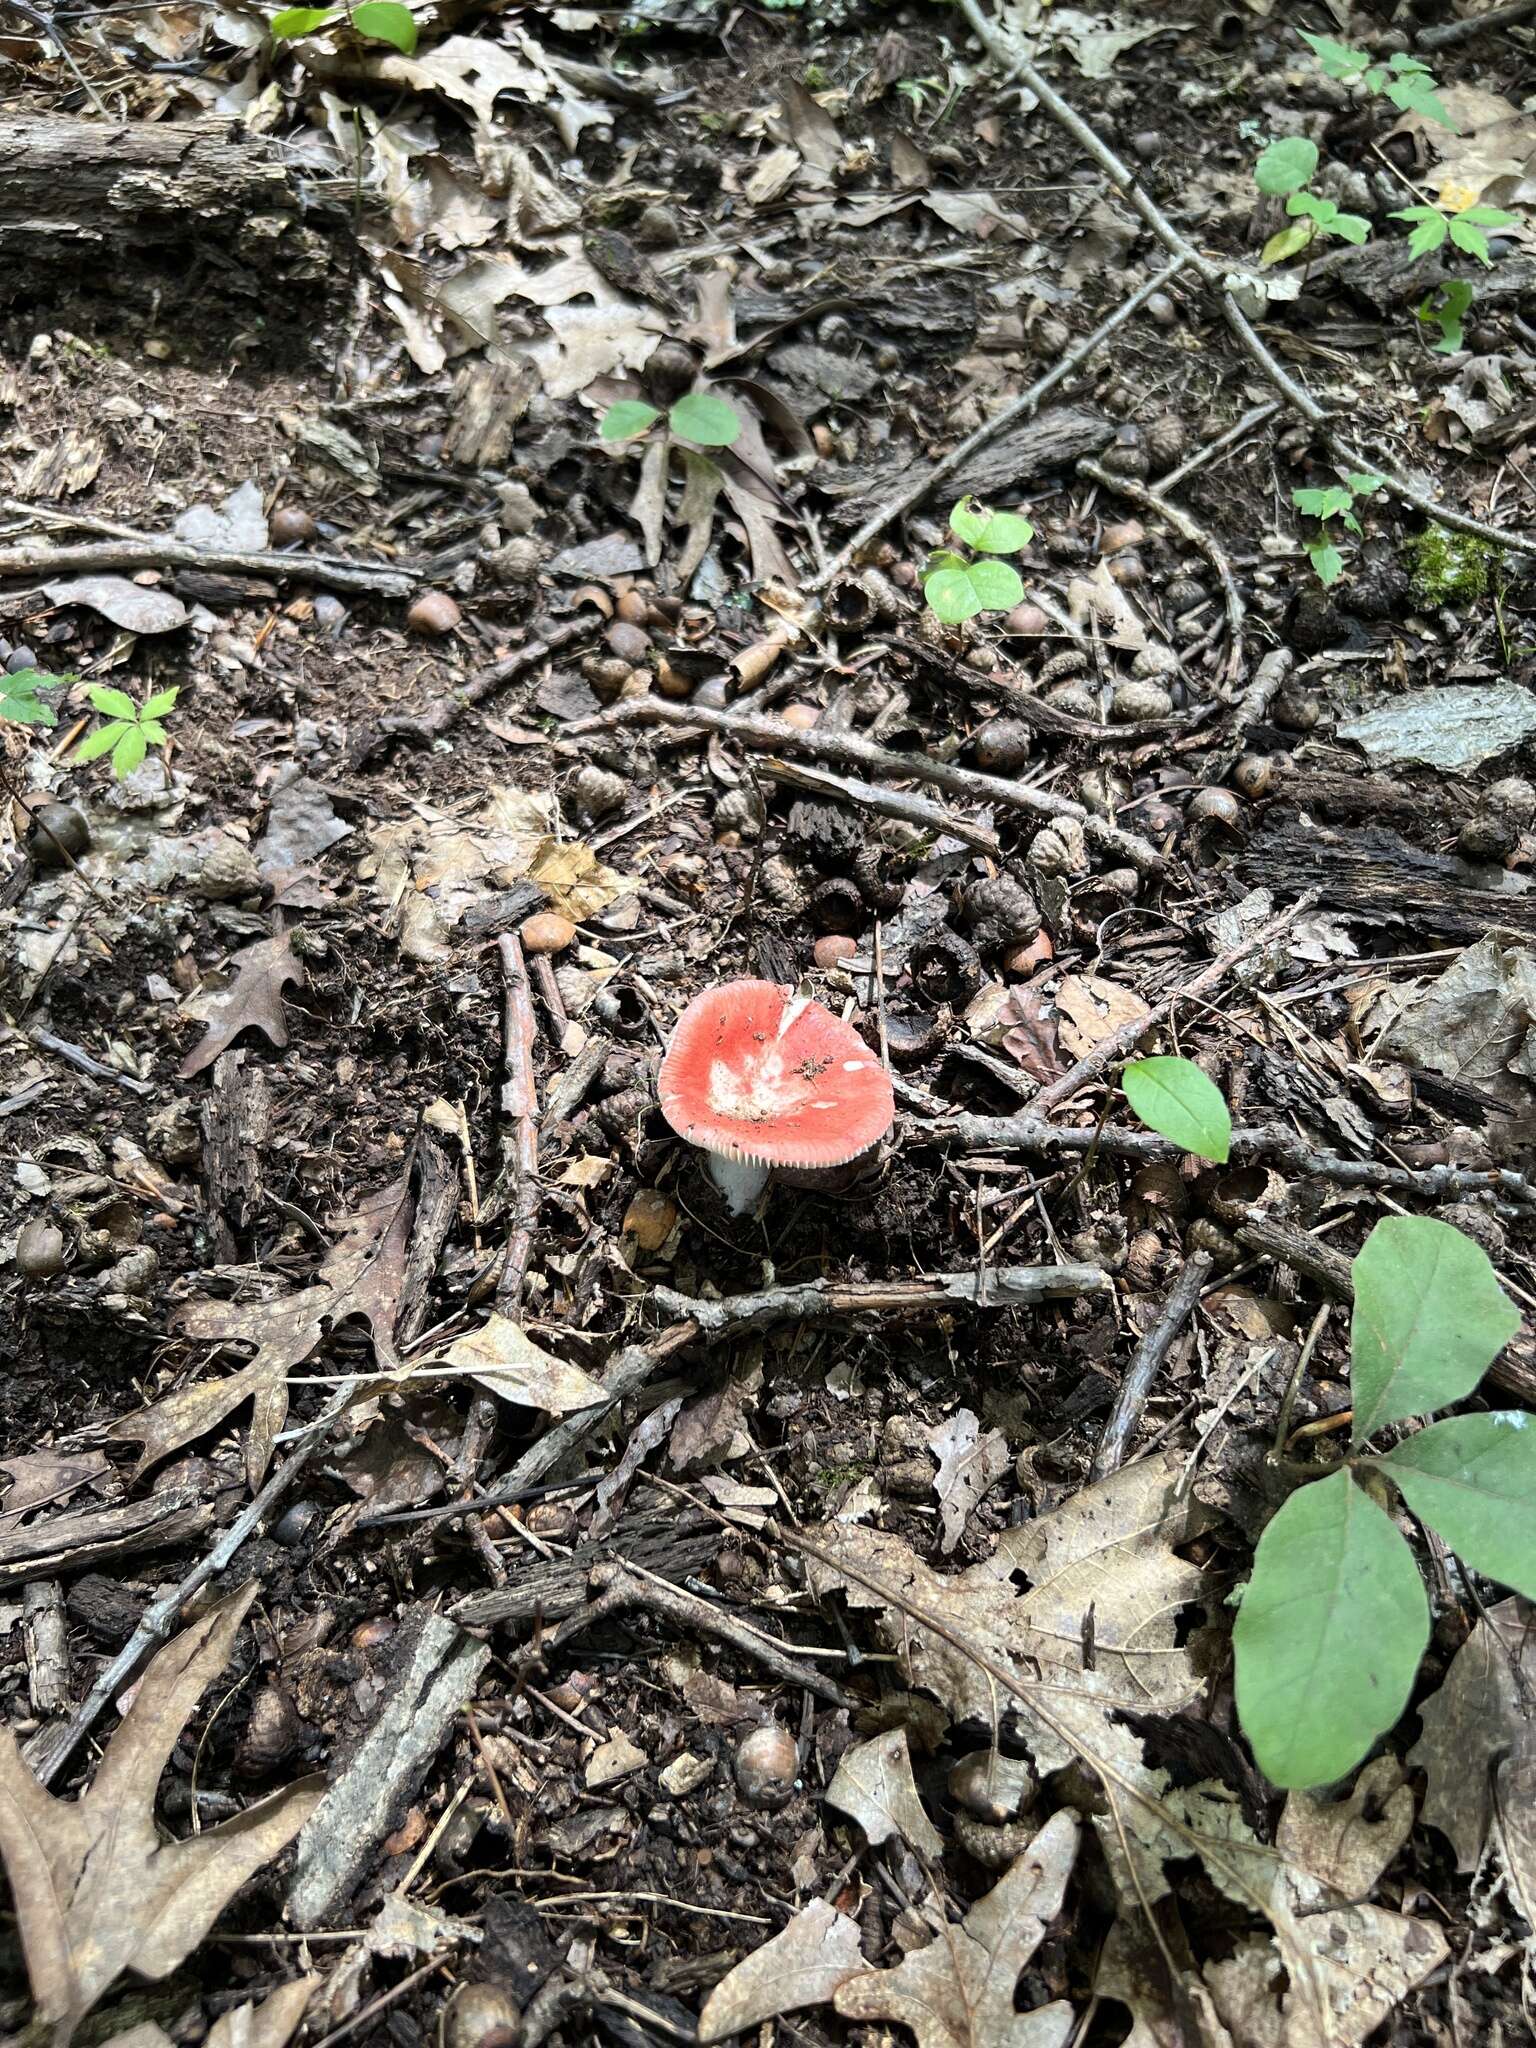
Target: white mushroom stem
[(741, 1181)]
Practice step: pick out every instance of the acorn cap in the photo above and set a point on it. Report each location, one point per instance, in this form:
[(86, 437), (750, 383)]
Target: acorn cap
[(758, 1074)]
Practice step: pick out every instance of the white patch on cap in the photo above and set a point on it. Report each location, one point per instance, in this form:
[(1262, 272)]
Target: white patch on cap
[(854, 1066), (756, 1092), (823, 1105)]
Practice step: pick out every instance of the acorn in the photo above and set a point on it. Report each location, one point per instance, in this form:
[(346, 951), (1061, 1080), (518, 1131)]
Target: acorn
[(59, 834), (481, 2016), (1060, 848), (1166, 440), (597, 791), (1002, 746), (290, 526), (546, 932), (1139, 699), (838, 906), (833, 948), (1120, 534), (1026, 621), (630, 643), (1296, 710), (1075, 700), (1126, 455), (634, 607), (1253, 776), (40, 1249), (767, 1765), (433, 614), (1215, 807), (991, 1787)]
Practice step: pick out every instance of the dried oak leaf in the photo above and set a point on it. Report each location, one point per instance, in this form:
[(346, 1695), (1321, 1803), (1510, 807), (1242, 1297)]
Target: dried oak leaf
[(272, 2024), (874, 1785), (958, 1991), (969, 1463), (359, 1276), (97, 1889), (254, 1003), (817, 1951)]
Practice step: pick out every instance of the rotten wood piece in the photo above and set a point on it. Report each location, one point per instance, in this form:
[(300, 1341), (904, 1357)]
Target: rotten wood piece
[(816, 1300), (672, 1545)]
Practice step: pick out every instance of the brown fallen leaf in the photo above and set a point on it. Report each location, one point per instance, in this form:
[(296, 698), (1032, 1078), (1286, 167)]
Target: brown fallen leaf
[(42, 1478), (873, 1784), (253, 1003), (969, 1463), (1481, 1713), (502, 1358), (272, 2024), (359, 1276), (97, 1889), (817, 1951), (958, 1991)]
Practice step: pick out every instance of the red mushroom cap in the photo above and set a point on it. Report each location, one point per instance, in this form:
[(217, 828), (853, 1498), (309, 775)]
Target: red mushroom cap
[(756, 1073)]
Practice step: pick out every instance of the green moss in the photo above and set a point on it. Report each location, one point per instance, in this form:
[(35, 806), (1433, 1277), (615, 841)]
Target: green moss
[(1451, 568)]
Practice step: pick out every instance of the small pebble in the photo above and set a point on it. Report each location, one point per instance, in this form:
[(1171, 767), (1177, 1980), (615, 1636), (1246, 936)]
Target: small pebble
[(1162, 311), (18, 659), (330, 613), (547, 932), (629, 642)]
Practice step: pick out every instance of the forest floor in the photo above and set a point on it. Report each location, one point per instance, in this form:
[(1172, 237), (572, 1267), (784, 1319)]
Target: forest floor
[(573, 1588)]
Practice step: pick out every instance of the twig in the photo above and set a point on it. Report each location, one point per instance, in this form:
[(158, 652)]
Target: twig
[(520, 1111), (888, 803), (1189, 530), (1449, 32), (570, 1091), (620, 1585), (1207, 452), (624, 1376), (1213, 273), (46, 1638), (1144, 1367), (815, 1300), (55, 35), (848, 750), (446, 711), (1120, 1042), (160, 551), (77, 1056), (50, 1749), (989, 430)]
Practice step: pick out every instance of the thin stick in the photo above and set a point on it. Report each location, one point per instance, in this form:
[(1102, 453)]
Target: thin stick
[(49, 1751), (55, 35), (1446, 33), (160, 551), (1118, 1043), (888, 803), (520, 1110), (814, 1300), (848, 750), (625, 1375), (1209, 450), (1213, 273), (1187, 529), (1017, 409), (1147, 1363)]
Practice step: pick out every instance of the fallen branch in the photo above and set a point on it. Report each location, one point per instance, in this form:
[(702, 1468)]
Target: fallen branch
[(887, 803), (848, 750), (817, 1300), (1145, 1366), (160, 551), (520, 1114), (1017, 409), (1447, 33), (1214, 274), (1187, 529), (625, 1375), (1035, 712)]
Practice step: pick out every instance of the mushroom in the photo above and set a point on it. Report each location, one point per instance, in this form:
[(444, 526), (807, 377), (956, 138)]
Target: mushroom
[(758, 1077)]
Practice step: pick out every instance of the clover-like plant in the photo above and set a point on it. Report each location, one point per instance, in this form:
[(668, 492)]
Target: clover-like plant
[(1334, 1619), (958, 586), (1434, 226), (130, 729), (1284, 170), (1405, 80), (373, 21), (698, 416), (1333, 501)]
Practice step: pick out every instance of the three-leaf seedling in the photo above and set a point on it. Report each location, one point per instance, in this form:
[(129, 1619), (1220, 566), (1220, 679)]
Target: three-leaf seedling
[(1434, 226), (1334, 1620), (373, 21), (959, 585), (130, 729), (1405, 80), (698, 416), (1333, 501)]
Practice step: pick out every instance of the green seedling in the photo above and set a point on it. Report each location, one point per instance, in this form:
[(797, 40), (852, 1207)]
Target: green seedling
[(130, 729), (1405, 80), (374, 21), (1334, 1620), (21, 702), (1335, 501), (1446, 308), (1433, 227), (698, 416), (1180, 1101), (1283, 171), (958, 586)]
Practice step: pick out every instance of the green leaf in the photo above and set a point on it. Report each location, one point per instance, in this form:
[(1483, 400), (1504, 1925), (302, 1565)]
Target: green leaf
[(950, 596), (1431, 231), (1416, 94), (1489, 216), (1174, 1097), (101, 741), (111, 703), (629, 417), (129, 752), (299, 21), (709, 422), (997, 585), (1473, 1479), (1445, 308), (158, 705), (1287, 242), (153, 731), (1430, 1318), (1472, 240), (1329, 1634), (1337, 59), (1362, 483), (1324, 504), (1308, 203), (386, 21), (1286, 165), (994, 533), (1326, 560), (19, 701), (1351, 227)]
